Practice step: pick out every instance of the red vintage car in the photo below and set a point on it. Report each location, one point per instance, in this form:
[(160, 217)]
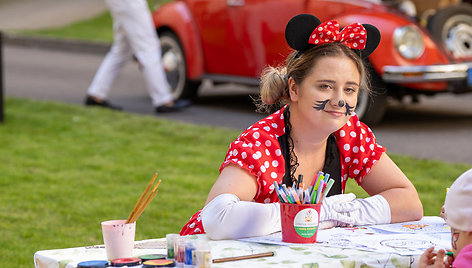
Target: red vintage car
[(233, 40)]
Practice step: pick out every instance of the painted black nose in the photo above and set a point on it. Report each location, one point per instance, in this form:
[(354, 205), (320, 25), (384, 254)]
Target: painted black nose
[(341, 103)]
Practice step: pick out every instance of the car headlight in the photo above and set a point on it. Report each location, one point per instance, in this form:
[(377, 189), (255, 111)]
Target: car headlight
[(409, 42)]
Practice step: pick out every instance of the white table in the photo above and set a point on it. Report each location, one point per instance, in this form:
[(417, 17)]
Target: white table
[(334, 249)]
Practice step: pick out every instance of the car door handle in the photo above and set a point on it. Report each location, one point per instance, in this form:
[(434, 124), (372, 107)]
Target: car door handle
[(235, 3)]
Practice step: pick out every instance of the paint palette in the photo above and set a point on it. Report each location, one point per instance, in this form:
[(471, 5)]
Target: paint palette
[(159, 263), (92, 264)]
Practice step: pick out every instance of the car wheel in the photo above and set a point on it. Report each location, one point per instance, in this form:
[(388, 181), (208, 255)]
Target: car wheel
[(175, 67), (452, 26), (371, 106)]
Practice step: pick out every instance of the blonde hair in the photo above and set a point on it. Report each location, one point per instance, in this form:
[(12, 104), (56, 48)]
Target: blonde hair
[(274, 92), (274, 88)]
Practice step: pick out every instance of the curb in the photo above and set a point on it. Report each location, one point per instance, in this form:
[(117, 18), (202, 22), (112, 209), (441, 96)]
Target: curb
[(56, 44)]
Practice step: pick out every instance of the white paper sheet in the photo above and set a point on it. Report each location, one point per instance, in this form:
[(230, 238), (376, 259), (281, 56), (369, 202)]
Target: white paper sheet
[(425, 225), (388, 238)]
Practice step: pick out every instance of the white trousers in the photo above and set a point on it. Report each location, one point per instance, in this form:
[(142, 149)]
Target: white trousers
[(134, 33)]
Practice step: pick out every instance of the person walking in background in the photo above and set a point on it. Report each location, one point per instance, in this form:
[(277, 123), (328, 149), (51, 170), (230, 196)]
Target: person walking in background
[(134, 34)]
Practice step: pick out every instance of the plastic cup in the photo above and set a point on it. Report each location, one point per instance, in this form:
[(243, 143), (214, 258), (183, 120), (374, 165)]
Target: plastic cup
[(299, 222), (179, 250), (118, 238), (170, 239), (202, 254)]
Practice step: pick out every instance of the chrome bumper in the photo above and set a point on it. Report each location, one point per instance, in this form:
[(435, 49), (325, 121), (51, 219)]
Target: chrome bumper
[(429, 73)]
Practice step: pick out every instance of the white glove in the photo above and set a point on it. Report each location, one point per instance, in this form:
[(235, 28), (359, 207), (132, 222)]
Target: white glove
[(331, 217), (371, 210), (226, 217)]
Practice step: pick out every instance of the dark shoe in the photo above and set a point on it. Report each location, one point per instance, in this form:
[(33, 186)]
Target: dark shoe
[(91, 101), (176, 107)]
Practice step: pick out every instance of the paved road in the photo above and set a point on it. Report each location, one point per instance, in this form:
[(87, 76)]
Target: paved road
[(65, 76), (439, 128)]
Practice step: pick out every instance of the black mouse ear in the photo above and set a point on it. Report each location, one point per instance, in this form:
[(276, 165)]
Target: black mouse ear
[(299, 29), (372, 42)]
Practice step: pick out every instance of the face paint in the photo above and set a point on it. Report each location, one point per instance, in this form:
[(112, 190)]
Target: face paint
[(320, 105), (454, 238), (349, 109)]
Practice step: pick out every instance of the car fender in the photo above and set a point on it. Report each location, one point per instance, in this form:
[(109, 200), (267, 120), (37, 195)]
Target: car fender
[(177, 18)]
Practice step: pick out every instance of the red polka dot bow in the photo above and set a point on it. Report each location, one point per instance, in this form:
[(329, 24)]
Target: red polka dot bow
[(353, 35)]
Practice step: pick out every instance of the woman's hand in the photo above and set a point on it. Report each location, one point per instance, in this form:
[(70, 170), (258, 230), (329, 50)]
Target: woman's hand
[(330, 216), (429, 259), (344, 210)]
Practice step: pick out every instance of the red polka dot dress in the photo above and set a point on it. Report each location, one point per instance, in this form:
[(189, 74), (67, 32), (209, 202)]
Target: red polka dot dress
[(258, 151)]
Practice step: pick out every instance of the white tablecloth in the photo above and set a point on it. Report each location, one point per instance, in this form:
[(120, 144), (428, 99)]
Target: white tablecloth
[(336, 248)]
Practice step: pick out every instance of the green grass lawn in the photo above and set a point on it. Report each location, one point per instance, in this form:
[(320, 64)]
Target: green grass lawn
[(66, 168), (98, 29)]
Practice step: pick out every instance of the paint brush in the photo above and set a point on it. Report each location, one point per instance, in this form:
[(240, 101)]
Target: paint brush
[(145, 198), (146, 202)]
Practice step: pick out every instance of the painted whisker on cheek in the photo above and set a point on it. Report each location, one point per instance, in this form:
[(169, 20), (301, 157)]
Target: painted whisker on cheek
[(349, 109), (320, 105)]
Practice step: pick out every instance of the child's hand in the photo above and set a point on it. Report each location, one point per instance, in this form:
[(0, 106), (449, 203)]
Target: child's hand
[(431, 259), (449, 260)]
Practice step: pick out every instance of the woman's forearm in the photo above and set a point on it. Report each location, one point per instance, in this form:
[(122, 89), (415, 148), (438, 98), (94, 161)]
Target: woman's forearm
[(405, 204)]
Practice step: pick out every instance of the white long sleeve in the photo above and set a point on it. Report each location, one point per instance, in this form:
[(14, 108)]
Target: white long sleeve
[(226, 217)]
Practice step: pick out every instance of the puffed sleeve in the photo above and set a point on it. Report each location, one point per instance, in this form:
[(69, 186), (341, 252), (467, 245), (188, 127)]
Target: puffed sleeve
[(358, 149), (258, 151)]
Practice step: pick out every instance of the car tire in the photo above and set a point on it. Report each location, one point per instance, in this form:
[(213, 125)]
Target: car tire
[(371, 106), (452, 26), (175, 67)]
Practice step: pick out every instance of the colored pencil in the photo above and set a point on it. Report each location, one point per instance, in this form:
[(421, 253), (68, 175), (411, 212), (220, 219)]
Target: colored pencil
[(283, 195), (328, 187), (287, 194), (319, 192), (326, 177), (314, 194), (295, 195)]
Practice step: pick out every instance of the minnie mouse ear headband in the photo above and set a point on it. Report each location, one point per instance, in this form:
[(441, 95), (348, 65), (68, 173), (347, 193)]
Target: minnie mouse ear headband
[(305, 31)]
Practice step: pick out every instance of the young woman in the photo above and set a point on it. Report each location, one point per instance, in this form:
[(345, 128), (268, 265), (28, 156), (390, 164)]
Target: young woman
[(315, 130)]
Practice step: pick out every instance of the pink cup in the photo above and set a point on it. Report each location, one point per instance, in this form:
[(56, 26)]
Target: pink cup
[(118, 237)]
